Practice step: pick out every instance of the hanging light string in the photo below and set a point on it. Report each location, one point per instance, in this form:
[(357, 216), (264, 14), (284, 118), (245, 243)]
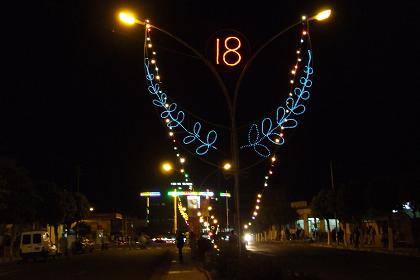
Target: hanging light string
[(285, 116), (173, 117), (259, 196), (183, 212)]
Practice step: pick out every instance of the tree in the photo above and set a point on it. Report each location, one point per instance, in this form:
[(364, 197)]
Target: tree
[(17, 196), (18, 200), (349, 202), (323, 206), (276, 208), (52, 209)]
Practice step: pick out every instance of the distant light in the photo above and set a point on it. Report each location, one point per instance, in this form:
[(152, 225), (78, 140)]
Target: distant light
[(227, 166), (166, 166), (91, 209), (150, 194), (259, 195), (245, 226), (182, 160), (187, 193), (225, 194), (407, 206), (247, 237)]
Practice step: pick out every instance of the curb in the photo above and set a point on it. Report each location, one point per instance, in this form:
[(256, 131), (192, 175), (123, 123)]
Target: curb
[(411, 253)]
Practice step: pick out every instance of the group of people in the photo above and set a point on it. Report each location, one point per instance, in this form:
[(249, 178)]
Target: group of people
[(199, 247)]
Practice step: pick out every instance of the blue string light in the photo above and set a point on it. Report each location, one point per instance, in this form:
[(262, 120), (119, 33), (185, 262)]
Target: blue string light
[(174, 118), (285, 116)]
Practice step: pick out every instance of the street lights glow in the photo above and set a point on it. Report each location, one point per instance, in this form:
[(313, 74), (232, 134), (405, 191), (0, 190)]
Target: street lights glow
[(127, 18), (227, 166), (91, 209), (323, 15), (167, 167)]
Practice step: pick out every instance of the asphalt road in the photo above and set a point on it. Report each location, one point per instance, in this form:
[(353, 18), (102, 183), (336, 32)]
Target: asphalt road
[(329, 263), (103, 265)]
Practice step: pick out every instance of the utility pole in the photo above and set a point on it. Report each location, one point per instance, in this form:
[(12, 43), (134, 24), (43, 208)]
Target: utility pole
[(227, 212), (335, 210), (78, 191), (78, 178), (175, 212)]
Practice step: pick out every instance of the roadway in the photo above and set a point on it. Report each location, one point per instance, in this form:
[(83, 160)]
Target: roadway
[(115, 263), (330, 263)]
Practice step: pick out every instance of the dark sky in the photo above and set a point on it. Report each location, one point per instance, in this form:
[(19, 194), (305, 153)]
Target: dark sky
[(74, 92)]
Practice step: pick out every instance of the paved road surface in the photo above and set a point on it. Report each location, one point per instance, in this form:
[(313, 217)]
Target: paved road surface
[(102, 265), (338, 264)]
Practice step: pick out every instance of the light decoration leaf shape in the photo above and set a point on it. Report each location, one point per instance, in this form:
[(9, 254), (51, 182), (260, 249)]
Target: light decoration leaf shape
[(173, 116), (285, 117)]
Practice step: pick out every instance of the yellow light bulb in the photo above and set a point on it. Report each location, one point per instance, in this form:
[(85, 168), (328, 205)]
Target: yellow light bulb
[(127, 18), (323, 15)]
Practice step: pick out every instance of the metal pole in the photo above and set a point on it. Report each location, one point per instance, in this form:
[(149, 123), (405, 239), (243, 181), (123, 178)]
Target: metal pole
[(147, 209), (235, 156), (175, 213), (227, 212), (335, 211)]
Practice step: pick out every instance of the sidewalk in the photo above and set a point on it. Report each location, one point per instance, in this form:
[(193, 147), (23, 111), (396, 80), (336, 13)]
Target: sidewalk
[(189, 269), (397, 251)]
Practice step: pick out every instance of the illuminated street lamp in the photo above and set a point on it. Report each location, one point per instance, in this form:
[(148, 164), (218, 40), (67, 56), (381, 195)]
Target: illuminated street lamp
[(227, 166), (231, 99), (322, 15), (167, 167)]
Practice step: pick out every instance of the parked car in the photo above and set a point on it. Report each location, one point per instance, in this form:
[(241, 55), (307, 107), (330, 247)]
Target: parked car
[(36, 244), (83, 245)]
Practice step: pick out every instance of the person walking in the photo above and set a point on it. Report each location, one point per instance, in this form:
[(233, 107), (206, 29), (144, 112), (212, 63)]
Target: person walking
[(180, 244)]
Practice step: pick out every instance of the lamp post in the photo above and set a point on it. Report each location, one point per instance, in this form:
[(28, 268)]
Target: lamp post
[(148, 195), (234, 167), (226, 195)]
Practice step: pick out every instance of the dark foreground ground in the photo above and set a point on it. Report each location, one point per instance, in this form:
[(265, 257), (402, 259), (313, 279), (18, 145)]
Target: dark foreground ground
[(103, 265), (303, 261)]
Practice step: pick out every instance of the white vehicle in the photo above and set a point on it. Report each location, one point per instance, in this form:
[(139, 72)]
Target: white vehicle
[(34, 244)]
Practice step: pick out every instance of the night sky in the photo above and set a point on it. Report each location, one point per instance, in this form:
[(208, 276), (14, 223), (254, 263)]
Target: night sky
[(74, 93)]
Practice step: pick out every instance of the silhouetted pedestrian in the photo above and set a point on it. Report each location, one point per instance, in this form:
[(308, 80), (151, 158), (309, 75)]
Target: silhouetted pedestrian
[(180, 244)]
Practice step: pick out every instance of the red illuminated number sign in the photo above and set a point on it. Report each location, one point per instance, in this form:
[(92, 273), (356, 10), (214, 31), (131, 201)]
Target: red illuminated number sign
[(230, 55)]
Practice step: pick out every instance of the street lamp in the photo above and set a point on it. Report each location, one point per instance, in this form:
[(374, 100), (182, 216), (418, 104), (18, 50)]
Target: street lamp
[(148, 195), (167, 167), (233, 167)]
